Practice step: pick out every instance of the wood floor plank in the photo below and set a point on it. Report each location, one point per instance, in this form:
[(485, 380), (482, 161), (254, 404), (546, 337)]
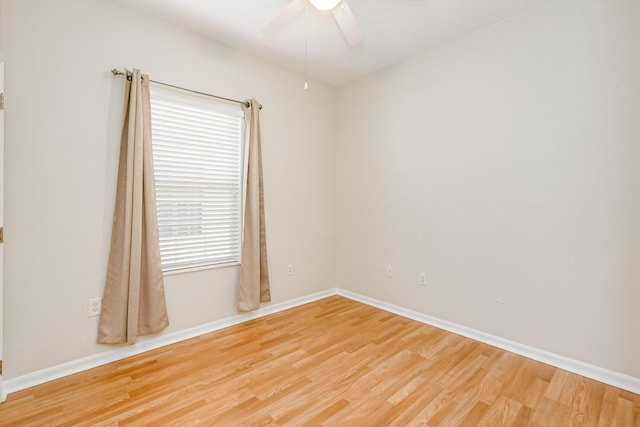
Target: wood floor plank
[(472, 418), (501, 374), (333, 362), (502, 413), (409, 409)]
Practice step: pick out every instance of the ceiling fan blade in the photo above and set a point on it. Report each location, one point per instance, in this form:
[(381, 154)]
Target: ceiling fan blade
[(348, 24), (284, 17)]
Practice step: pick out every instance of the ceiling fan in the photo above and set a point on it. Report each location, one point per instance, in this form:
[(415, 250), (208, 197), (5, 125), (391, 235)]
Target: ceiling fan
[(339, 9)]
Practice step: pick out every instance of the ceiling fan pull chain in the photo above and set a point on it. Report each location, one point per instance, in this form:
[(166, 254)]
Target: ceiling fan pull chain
[(306, 22)]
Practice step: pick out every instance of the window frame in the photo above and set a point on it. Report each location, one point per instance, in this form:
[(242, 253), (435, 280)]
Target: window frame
[(222, 107)]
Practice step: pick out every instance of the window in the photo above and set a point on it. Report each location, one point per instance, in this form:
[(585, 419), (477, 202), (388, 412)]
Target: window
[(197, 156)]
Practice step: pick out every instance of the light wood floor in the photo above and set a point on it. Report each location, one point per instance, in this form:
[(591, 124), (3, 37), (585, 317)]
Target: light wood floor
[(334, 362)]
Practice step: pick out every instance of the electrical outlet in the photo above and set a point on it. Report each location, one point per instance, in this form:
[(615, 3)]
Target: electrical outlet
[(389, 271), (290, 270), (422, 279), (95, 306)]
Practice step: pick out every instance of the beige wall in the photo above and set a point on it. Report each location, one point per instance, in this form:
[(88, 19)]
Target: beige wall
[(504, 165), (62, 122), (1, 185), (1, 193)]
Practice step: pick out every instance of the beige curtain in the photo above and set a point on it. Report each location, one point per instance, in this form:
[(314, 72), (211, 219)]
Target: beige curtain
[(254, 271), (134, 303)]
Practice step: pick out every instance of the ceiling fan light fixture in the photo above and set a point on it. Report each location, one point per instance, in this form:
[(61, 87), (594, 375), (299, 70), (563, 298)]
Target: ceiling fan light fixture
[(324, 4)]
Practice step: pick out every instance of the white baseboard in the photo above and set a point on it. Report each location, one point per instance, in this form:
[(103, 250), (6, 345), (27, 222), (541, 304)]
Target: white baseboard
[(145, 344), (597, 373), (616, 379)]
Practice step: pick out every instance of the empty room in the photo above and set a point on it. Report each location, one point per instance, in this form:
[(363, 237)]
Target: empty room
[(320, 212)]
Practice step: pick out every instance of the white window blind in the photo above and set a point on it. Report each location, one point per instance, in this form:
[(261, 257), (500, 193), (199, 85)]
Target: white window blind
[(197, 155)]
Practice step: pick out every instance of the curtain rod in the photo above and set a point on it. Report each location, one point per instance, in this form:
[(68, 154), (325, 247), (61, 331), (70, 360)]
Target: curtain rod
[(117, 72)]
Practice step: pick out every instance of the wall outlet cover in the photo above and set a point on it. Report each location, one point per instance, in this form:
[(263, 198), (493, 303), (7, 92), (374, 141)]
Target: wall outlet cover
[(95, 306), (389, 271)]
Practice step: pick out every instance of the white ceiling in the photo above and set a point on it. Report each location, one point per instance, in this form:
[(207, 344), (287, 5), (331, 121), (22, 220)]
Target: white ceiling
[(392, 29)]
